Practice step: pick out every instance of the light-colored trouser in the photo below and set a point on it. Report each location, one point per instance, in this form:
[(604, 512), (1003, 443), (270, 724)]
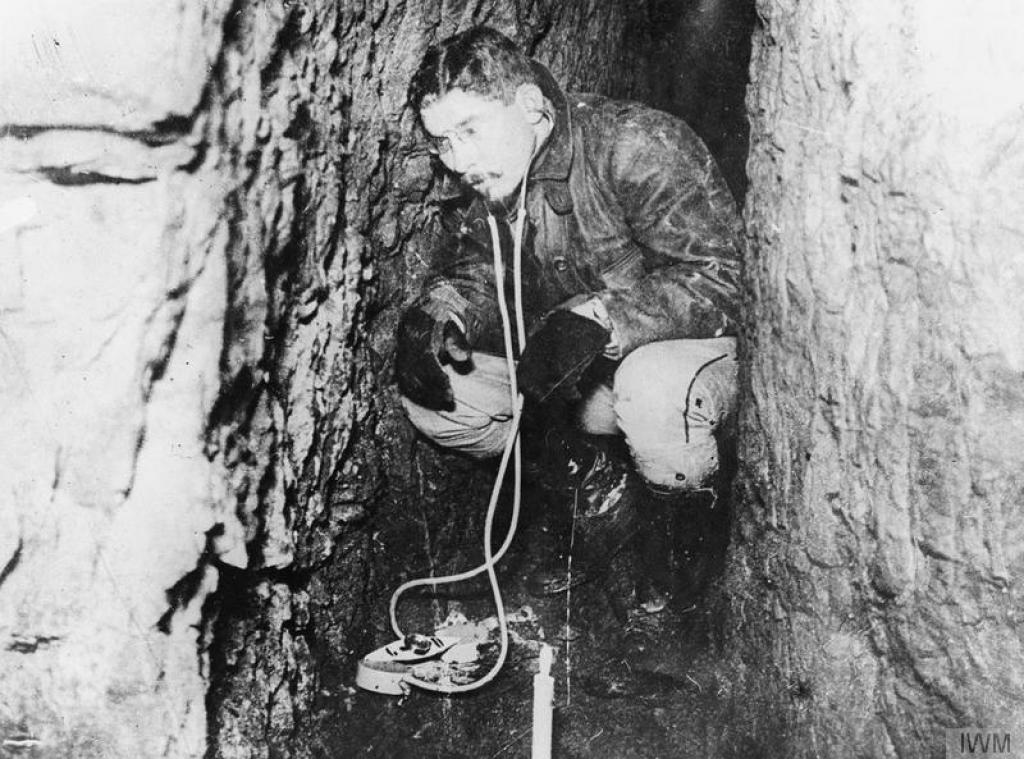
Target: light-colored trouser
[(668, 398)]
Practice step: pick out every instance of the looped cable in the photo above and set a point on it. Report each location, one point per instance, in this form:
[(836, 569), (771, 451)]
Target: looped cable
[(512, 449)]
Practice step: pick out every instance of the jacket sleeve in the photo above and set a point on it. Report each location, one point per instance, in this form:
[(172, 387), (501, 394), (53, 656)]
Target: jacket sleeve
[(460, 281), (681, 212)]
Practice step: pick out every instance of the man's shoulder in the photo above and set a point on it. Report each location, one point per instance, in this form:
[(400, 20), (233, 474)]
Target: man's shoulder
[(612, 120), (591, 105)]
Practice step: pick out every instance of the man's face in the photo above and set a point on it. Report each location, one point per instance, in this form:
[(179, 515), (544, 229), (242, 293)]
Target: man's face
[(487, 143)]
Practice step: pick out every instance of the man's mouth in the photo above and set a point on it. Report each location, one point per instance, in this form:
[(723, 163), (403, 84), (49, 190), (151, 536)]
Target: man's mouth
[(475, 180)]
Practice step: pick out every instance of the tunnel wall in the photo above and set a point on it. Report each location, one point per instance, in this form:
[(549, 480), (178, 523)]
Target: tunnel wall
[(112, 306), (876, 596)]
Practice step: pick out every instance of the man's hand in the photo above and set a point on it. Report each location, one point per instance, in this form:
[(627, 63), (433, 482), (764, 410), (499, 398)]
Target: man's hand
[(557, 355), (424, 340)]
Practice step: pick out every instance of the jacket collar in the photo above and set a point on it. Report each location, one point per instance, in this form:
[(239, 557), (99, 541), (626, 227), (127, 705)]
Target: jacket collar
[(555, 159)]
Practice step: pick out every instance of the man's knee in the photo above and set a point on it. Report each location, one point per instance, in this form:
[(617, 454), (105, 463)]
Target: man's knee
[(695, 376), (671, 397), (480, 423)]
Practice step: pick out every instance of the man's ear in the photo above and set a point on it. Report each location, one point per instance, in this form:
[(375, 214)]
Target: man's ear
[(532, 101)]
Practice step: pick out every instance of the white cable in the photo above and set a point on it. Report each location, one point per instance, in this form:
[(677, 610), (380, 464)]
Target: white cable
[(512, 445), (517, 273)]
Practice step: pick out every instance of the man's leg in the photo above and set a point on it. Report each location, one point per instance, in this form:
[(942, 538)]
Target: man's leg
[(671, 401), (480, 424), (675, 401)]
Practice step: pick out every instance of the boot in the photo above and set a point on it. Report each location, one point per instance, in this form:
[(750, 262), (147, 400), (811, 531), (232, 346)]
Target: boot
[(588, 488), (573, 465), (692, 529), (688, 549)]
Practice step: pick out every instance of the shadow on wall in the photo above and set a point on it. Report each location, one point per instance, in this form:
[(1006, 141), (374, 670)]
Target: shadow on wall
[(705, 49)]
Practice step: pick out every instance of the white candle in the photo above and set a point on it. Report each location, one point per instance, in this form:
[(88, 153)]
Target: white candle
[(543, 698)]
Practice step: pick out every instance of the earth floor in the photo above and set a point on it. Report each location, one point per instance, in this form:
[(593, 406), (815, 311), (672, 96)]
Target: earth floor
[(628, 683)]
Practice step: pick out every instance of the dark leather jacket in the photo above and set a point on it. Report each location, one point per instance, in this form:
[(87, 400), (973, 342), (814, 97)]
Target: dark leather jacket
[(624, 202)]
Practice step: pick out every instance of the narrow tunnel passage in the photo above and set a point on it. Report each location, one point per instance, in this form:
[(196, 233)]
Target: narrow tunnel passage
[(213, 215), (373, 503)]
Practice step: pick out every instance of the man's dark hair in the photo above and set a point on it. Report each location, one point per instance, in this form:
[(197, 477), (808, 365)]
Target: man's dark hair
[(479, 60)]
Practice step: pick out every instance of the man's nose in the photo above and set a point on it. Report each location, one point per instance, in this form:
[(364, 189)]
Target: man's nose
[(462, 157)]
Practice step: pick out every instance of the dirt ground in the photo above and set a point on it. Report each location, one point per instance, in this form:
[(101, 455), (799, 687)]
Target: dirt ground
[(627, 683)]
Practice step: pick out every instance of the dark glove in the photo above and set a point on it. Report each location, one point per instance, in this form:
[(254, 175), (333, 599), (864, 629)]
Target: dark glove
[(558, 354), (424, 340)]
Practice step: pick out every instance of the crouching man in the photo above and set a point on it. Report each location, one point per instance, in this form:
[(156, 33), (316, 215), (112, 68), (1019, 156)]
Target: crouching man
[(630, 244)]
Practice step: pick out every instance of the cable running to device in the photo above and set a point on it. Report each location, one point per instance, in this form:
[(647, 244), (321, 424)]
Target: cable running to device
[(512, 448)]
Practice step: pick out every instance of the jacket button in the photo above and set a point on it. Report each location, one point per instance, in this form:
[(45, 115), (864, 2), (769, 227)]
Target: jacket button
[(561, 264)]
